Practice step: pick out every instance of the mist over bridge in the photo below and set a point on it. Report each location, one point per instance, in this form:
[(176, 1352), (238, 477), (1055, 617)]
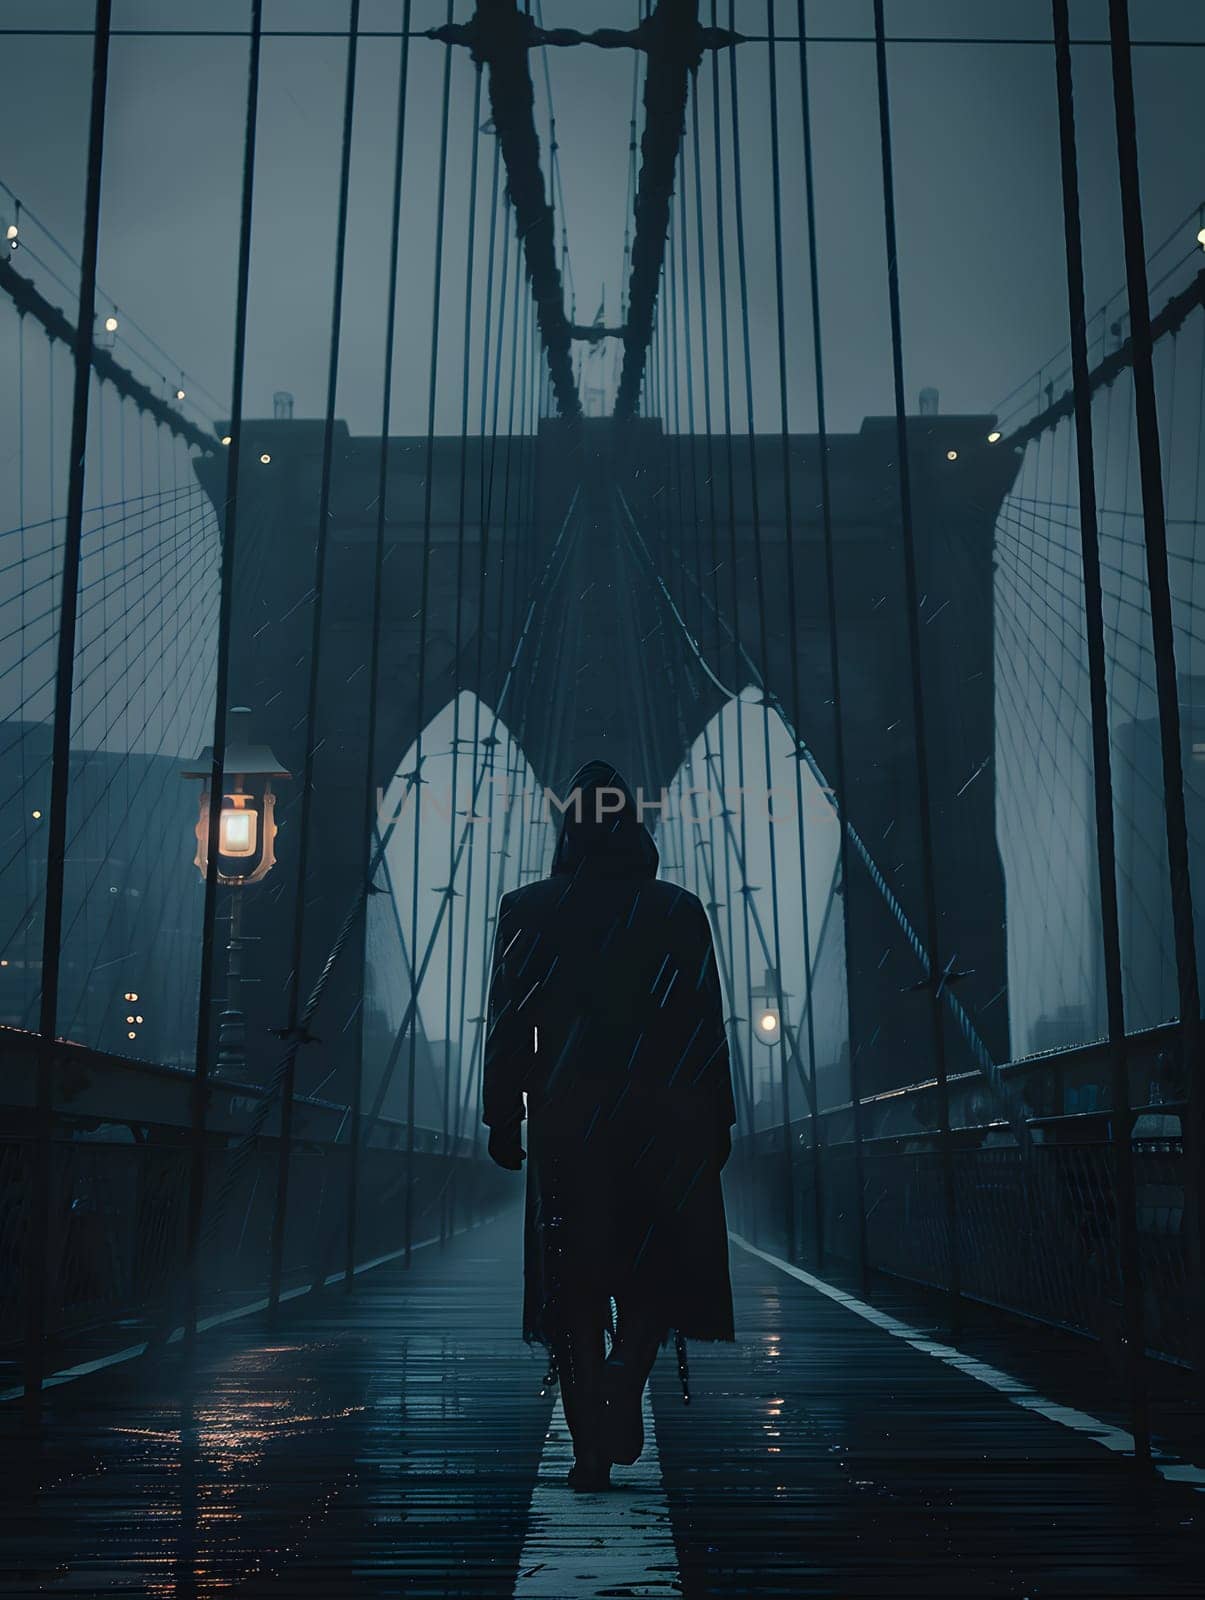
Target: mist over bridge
[(963, 647)]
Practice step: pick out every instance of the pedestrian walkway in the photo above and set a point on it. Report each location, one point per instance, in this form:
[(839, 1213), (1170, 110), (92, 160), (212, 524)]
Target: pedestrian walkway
[(396, 1441)]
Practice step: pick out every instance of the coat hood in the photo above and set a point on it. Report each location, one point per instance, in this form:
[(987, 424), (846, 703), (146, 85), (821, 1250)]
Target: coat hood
[(601, 830)]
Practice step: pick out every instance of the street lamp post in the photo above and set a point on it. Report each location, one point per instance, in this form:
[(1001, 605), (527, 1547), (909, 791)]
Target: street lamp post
[(769, 1007), (246, 854)]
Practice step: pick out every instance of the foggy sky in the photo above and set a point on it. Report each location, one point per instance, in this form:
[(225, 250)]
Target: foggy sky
[(976, 173)]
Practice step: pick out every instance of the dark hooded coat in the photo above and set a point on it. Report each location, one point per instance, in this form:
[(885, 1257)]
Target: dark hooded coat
[(605, 1012)]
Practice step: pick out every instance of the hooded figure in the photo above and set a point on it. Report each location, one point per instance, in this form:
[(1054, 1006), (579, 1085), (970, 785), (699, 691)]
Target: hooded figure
[(605, 1015)]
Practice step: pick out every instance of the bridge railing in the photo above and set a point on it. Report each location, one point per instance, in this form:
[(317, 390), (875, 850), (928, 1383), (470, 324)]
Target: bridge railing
[(1037, 1228), (119, 1186)]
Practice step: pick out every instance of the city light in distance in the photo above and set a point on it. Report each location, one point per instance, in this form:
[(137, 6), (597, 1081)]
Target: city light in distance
[(179, 394), (265, 458), (225, 438), (951, 455), (110, 324), (994, 436)]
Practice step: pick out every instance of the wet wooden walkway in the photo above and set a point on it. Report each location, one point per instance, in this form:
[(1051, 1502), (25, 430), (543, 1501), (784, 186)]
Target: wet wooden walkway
[(395, 1442)]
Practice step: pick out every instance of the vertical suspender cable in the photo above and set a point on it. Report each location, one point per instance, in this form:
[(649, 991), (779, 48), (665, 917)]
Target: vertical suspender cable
[(1154, 518), (374, 652), (792, 611), (469, 1060), (458, 639), (714, 906), (200, 1087), (38, 1235), (734, 581), (452, 1134), (912, 605), (759, 579), (292, 1031), (424, 605), (834, 648), (1121, 1119)]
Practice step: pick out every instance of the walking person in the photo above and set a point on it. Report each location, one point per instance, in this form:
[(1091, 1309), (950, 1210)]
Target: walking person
[(606, 1031)]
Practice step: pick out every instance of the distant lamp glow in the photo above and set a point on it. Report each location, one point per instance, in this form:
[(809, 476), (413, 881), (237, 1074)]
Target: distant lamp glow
[(129, 995), (225, 438), (36, 815), (131, 1034), (130, 1018), (179, 394), (110, 324), (951, 455), (12, 233), (994, 436), (138, 1020), (770, 1008), (246, 829), (265, 458), (1201, 238)]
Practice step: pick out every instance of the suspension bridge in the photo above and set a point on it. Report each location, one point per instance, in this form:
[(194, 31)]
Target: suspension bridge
[(915, 700)]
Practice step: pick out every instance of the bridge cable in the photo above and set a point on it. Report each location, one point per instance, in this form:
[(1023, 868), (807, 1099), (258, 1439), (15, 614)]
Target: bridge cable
[(39, 1222), (762, 636), (374, 648), (293, 1031), (469, 1058), (793, 648), (424, 598), (840, 773), (458, 629), (1121, 1121), (936, 975), (1154, 517), (744, 888), (714, 906)]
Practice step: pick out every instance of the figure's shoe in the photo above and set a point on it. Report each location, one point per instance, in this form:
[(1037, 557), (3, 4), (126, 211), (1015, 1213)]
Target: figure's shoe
[(590, 1474), (622, 1412)]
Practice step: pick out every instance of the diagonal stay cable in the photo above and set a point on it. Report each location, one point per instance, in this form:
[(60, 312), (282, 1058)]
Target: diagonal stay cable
[(979, 1051), (547, 580)]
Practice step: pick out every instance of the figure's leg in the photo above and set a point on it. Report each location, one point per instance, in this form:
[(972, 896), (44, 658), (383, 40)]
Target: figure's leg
[(637, 1337), (579, 1353)]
